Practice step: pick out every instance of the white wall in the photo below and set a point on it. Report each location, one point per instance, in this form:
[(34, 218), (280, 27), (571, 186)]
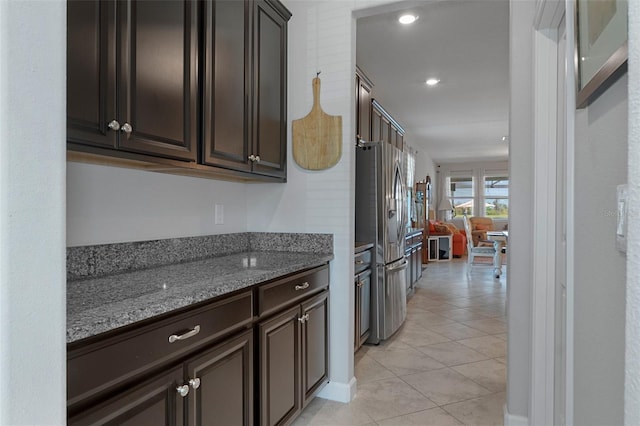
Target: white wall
[(521, 206), (32, 246), (109, 204), (321, 36), (601, 160), (424, 164)]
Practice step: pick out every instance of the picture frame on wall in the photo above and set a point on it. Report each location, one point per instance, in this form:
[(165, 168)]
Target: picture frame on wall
[(601, 46)]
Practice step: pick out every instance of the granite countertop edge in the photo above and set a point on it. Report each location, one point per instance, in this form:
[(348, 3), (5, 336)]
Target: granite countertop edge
[(99, 305)]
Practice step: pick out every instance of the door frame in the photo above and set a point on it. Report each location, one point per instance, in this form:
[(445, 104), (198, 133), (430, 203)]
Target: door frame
[(548, 17)]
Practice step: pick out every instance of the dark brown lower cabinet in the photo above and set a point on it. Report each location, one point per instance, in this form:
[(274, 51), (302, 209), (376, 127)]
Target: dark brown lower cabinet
[(275, 350), (293, 359), (225, 393), (315, 332), (152, 403), (363, 308), (214, 388)]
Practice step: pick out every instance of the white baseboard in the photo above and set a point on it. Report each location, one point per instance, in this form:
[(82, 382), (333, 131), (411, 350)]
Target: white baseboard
[(341, 392), (513, 420)]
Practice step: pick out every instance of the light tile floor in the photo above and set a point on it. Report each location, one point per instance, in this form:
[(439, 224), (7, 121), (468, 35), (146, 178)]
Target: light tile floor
[(446, 364)]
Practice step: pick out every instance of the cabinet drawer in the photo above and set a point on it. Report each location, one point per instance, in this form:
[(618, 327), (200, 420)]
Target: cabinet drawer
[(99, 366), (362, 261), (416, 239), (281, 293)]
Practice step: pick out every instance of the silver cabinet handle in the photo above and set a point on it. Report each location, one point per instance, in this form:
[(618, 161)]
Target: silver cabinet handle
[(302, 286), (183, 390), (252, 158), (114, 125), (257, 158), (191, 333), (195, 383), (359, 262), (126, 128)]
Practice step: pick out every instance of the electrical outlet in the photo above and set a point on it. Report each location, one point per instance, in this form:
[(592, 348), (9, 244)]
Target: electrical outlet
[(219, 214)]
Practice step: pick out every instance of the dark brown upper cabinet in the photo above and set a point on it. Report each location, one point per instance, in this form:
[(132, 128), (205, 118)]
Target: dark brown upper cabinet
[(384, 127), (245, 86), (197, 87), (132, 76), (363, 105)]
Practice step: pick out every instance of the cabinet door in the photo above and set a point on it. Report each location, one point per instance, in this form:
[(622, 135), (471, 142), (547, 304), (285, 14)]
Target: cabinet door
[(385, 130), (225, 393), (91, 95), (376, 124), (315, 328), (365, 306), (280, 377), (227, 84), (356, 317), (364, 110), (419, 262), (270, 90), (157, 84), (408, 273), (153, 403)]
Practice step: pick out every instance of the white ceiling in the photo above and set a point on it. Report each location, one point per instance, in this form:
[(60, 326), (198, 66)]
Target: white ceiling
[(463, 43)]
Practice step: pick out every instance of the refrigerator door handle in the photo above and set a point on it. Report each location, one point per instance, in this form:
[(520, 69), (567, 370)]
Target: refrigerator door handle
[(400, 267)]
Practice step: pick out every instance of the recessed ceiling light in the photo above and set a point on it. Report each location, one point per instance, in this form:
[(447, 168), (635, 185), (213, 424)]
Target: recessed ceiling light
[(407, 19), (432, 82)]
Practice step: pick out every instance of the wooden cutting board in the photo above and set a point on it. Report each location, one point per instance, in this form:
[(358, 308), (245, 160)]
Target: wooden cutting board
[(317, 138)]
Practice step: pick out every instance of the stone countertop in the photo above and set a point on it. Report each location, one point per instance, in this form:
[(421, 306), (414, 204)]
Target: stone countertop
[(97, 305), (360, 247)]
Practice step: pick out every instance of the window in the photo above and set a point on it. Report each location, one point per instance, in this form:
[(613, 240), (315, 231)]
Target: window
[(496, 196), (462, 195)]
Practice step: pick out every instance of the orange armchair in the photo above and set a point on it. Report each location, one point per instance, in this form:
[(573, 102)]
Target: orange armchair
[(479, 227)]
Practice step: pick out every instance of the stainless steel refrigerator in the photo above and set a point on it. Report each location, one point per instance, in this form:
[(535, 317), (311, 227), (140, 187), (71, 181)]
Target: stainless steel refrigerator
[(381, 218)]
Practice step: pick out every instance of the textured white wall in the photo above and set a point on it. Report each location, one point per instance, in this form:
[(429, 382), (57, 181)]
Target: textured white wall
[(110, 204), (32, 246), (521, 205), (632, 355), (321, 37)]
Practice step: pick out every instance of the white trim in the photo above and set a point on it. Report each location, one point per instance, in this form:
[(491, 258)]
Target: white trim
[(341, 392), (513, 420), (544, 228), (549, 14)]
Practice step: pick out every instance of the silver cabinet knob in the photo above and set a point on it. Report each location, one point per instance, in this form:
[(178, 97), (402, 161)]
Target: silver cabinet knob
[(183, 390), (304, 318), (257, 158), (126, 128), (195, 383), (114, 125), (252, 157)]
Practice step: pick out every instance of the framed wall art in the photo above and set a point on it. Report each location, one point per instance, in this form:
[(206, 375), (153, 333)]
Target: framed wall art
[(601, 46)]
